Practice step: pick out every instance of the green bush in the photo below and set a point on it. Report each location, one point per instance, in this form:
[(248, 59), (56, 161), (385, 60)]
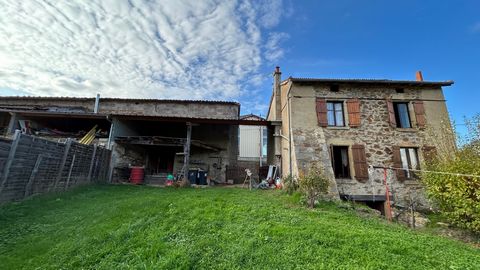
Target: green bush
[(313, 184), (457, 196), (290, 184)]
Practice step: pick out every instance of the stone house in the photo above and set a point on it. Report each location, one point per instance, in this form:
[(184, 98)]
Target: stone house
[(141, 132), (352, 128)]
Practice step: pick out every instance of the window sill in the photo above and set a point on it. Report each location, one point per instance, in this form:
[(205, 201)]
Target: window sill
[(339, 128), (406, 129)]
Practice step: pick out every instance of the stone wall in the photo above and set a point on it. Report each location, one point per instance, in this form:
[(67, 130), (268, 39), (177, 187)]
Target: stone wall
[(311, 143)]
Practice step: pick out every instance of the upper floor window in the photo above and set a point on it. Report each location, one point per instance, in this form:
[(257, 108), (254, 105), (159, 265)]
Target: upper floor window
[(335, 115), (402, 115)]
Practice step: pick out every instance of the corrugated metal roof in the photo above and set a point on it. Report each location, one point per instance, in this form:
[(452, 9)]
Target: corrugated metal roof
[(122, 99), (371, 81), (133, 116)]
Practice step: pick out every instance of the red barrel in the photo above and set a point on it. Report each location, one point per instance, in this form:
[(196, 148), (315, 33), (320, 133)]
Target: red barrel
[(136, 175)]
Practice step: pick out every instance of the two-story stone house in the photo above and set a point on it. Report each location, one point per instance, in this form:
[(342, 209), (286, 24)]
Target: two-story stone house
[(349, 126)]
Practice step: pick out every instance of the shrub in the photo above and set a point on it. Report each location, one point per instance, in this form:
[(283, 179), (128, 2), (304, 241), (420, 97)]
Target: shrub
[(290, 184), (458, 197), (313, 184)]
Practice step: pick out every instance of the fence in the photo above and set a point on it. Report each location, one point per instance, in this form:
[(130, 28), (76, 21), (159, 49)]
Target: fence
[(31, 165)]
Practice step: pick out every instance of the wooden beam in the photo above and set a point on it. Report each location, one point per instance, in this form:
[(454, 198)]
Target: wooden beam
[(186, 148)]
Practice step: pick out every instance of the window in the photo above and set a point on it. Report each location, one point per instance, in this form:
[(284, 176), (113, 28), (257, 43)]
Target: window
[(409, 159), (402, 116), (399, 90), (335, 114), (340, 164)]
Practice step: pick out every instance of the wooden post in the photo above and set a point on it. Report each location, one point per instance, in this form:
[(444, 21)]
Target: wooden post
[(28, 187), (68, 144), (91, 163), (70, 171), (11, 156), (186, 151)]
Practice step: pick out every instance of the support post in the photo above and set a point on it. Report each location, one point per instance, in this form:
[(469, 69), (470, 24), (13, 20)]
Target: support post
[(63, 161), (91, 163), (11, 156), (11, 124), (186, 148), (70, 172), (28, 187)]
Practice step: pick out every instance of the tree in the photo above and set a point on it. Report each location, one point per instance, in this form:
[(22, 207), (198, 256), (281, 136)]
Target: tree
[(313, 185), (457, 191)]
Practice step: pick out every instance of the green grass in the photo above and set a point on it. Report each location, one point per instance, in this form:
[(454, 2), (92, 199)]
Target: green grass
[(129, 227)]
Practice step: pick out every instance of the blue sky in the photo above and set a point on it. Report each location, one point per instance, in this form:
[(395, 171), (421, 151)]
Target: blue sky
[(228, 49)]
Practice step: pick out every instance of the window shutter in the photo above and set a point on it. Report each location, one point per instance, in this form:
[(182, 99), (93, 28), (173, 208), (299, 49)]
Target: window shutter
[(353, 108), (391, 114), (419, 113), (322, 112), (429, 153), (360, 162), (397, 163)]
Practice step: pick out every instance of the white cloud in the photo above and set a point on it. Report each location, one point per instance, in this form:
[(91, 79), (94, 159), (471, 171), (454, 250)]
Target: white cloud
[(273, 49), (159, 49)]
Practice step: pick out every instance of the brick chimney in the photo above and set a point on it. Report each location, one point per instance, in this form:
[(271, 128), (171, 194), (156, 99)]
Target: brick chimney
[(419, 76), (277, 94)]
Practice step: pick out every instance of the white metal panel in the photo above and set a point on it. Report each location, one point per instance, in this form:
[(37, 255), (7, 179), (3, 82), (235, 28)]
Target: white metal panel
[(249, 141)]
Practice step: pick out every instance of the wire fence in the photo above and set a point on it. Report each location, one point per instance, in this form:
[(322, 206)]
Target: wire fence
[(31, 165)]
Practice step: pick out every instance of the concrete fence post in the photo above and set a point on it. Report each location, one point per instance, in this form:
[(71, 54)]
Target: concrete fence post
[(70, 172), (28, 187), (68, 144), (92, 161), (11, 156)]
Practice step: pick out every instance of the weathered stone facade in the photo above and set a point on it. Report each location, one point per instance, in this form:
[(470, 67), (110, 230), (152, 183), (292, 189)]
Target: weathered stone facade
[(307, 143)]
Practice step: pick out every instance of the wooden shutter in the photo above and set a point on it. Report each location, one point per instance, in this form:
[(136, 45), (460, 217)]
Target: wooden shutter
[(322, 112), (391, 114), (429, 153), (353, 108), (360, 162), (397, 163), (419, 110)]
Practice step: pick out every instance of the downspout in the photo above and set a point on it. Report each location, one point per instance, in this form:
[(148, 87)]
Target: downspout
[(289, 97)]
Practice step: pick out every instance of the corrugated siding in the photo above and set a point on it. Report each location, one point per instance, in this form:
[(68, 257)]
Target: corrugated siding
[(249, 143)]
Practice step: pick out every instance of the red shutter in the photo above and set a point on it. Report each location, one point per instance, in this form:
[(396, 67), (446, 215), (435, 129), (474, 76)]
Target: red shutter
[(322, 112), (360, 162), (391, 113), (419, 113), (397, 163), (353, 108)]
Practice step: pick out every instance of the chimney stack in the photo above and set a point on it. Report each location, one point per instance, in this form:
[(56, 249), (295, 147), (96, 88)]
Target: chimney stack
[(419, 76), (97, 102), (276, 93)]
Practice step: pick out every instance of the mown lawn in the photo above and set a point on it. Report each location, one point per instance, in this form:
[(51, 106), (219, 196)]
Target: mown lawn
[(122, 227)]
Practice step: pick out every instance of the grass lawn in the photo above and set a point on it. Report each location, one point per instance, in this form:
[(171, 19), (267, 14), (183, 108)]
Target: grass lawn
[(122, 227)]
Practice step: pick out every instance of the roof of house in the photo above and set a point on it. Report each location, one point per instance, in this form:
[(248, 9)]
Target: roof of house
[(370, 81), (120, 99), (252, 116)]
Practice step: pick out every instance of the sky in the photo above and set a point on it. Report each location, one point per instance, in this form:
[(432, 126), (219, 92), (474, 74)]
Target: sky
[(227, 50)]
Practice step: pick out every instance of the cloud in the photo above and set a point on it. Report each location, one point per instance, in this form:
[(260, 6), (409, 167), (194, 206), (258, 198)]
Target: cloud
[(273, 50), (159, 49)]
